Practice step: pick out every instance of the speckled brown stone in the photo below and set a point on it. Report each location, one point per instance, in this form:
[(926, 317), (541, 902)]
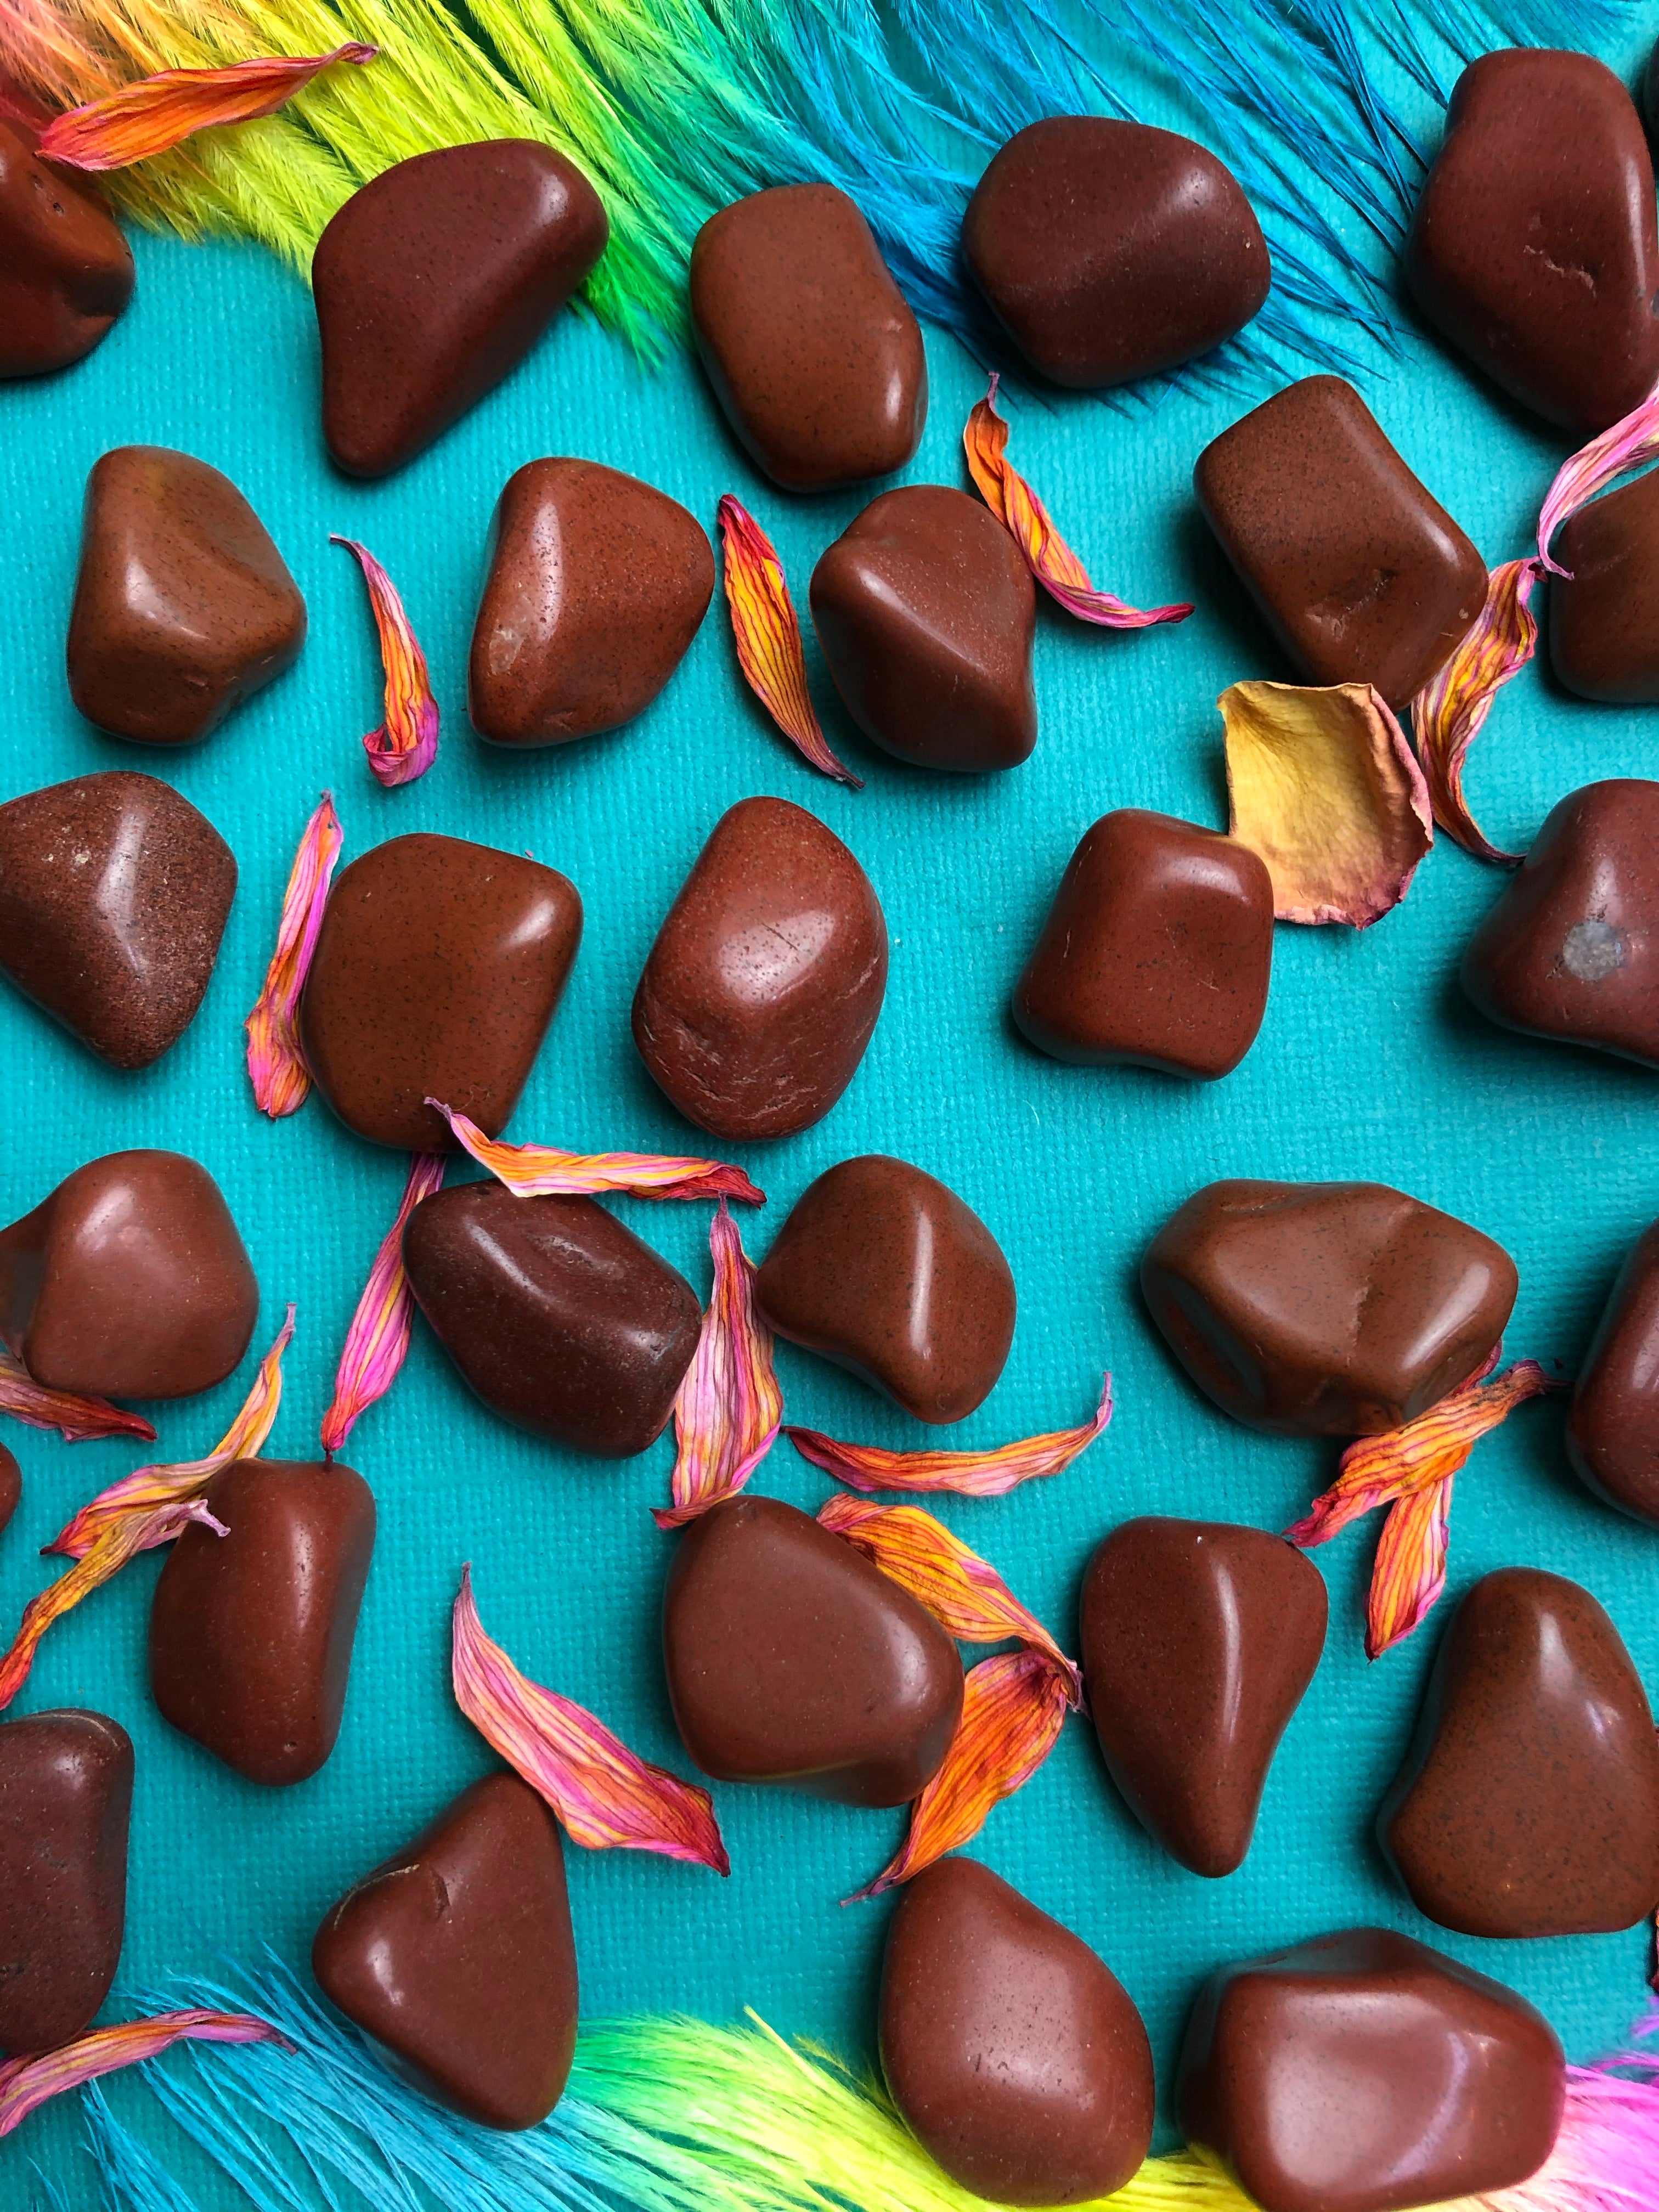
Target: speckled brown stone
[(114, 892), (809, 344), (882, 1269), (66, 269), (561, 1319), (1363, 2072), (764, 984), (791, 1659), (12, 1485), (1604, 613), (434, 279), (1157, 951), (251, 1633), (129, 1281), (438, 969), (1360, 573), (1528, 1804), (1014, 2054), (1533, 246), (1613, 1425), (456, 1957), (1569, 951), (1325, 1309), (926, 612), (65, 1801), (597, 586), (1198, 1640), (1108, 250)]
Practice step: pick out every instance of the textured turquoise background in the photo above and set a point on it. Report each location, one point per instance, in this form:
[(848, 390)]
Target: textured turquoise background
[(1369, 1064)]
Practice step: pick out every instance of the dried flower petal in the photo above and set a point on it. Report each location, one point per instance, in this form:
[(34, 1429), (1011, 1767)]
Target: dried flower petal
[(1632, 440), (1412, 1470), (1030, 525), (1321, 783), (28, 2083), (1013, 1707), (79, 1420), (729, 1405), (1448, 711), (406, 744), (767, 634), (377, 1342), (282, 1082), (540, 1171), (163, 111), (603, 1795), (970, 1474)]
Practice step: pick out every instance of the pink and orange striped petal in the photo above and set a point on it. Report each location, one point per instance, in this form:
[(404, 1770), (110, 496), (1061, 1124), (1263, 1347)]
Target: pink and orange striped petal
[(766, 631), (1450, 712), (1029, 523), (78, 1421), (377, 1342), (406, 744), (542, 1171), (603, 1795), (276, 1065), (729, 1405), (161, 111), (1409, 1572), (989, 1473), (26, 2084)]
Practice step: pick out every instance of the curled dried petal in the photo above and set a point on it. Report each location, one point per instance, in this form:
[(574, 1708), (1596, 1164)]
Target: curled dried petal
[(969, 1473), (1014, 1705), (1448, 713), (729, 1405), (276, 1067), (1632, 440), (1321, 783), (163, 111), (603, 1795), (79, 1420), (28, 2083), (1029, 523), (542, 1171), (406, 744), (377, 1342), (1409, 1572), (766, 631)]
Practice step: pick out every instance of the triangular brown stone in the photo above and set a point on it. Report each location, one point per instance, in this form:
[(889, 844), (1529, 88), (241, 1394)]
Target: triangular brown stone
[(114, 896), (456, 1957)]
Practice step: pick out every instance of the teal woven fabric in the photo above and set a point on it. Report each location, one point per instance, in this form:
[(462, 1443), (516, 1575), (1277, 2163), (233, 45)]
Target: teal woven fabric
[(1369, 1065)]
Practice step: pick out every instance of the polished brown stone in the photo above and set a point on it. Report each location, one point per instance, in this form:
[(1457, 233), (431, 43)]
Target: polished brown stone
[(65, 1799), (11, 1487), (1199, 1639), (766, 978), (597, 586), (251, 1633), (1604, 613), (1325, 1309), (1528, 1804), (438, 969), (1533, 247), (66, 269), (883, 1270), (114, 893), (1109, 250), (1157, 951), (790, 1658), (456, 1958), (1363, 2072), (1613, 1425), (926, 612), (809, 345), (561, 1319), (433, 282), (183, 605), (1569, 951), (129, 1281), (1014, 2056), (1358, 571)]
